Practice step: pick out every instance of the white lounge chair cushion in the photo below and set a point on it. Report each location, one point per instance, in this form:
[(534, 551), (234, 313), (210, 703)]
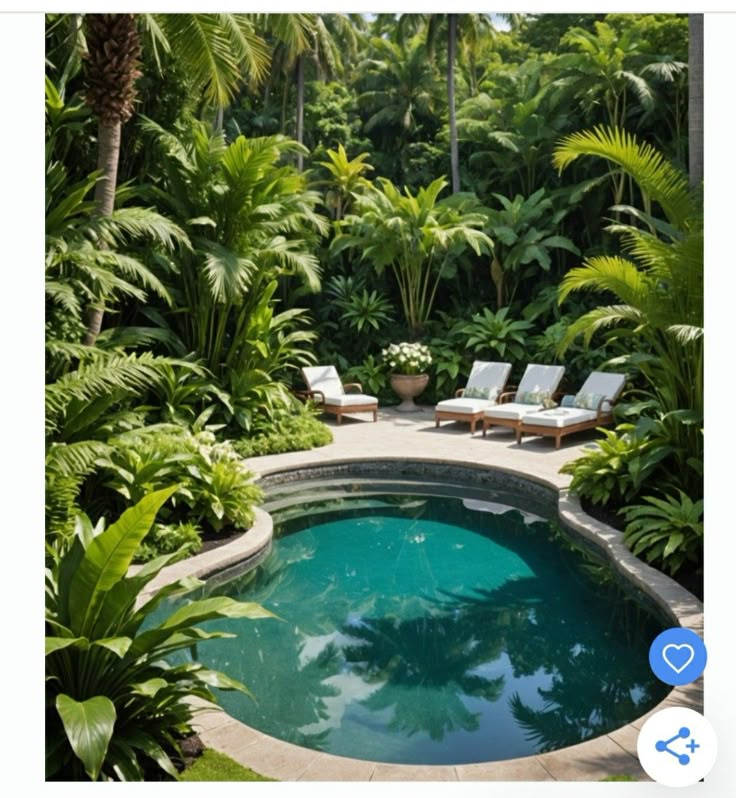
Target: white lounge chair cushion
[(599, 385), (462, 405), (560, 417), (350, 400), (512, 410), (541, 378), (324, 379), (485, 374)]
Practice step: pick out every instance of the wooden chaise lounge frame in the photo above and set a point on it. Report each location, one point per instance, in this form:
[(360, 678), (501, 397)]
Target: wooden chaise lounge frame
[(602, 417), (455, 415), (512, 423), (338, 410)]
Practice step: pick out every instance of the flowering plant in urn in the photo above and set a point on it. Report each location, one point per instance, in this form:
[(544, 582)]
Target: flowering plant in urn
[(407, 358), (408, 364)]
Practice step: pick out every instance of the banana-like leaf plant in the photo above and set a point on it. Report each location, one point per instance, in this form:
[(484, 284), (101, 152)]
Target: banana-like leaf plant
[(115, 708)]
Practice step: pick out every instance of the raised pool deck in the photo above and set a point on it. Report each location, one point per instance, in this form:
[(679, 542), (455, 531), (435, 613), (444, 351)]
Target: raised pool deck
[(413, 436)]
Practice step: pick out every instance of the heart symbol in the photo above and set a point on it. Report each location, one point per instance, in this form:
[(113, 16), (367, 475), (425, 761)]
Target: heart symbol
[(683, 654)]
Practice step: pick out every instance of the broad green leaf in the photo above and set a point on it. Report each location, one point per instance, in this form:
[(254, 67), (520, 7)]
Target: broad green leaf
[(89, 726), (118, 645), (58, 643), (221, 681), (108, 558), (218, 607), (148, 688)]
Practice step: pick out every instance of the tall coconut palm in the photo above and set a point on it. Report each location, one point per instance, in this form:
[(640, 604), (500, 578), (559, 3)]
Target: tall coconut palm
[(402, 88), (111, 69), (695, 115), (467, 28), (321, 38), (215, 48)]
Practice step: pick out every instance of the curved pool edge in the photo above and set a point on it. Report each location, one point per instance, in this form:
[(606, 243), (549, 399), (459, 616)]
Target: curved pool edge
[(609, 754), (246, 550)]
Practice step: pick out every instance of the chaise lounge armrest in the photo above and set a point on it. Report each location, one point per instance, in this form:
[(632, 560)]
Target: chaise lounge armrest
[(601, 413), (316, 395), (507, 396), (353, 385)]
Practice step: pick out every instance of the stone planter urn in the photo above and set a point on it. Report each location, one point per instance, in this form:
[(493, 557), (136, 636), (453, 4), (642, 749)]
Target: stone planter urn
[(407, 386)]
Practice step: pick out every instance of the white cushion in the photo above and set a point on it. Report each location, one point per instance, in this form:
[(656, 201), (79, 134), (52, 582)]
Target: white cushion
[(560, 417), (350, 399), (324, 379), (461, 405), (541, 378), (485, 374), (608, 385), (511, 410)]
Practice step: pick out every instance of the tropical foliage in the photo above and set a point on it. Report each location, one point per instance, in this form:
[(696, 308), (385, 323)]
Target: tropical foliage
[(114, 708), (232, 197)]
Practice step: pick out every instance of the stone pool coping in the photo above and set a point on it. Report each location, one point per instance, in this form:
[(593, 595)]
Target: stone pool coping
[(609, 754)]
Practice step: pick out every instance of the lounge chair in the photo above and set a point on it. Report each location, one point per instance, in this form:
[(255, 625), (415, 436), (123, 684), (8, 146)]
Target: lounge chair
[(591, 407), (539, 384), (324, 386), (485, 384)]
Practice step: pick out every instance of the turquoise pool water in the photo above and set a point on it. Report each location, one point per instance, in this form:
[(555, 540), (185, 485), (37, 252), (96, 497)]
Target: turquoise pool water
[(433, 630)]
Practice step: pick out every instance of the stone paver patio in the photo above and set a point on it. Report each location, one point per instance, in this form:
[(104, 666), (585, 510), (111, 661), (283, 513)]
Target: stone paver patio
[(414, 437)]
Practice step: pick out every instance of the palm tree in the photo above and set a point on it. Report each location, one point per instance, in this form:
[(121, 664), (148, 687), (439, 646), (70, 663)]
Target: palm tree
[(215, 49), (415, 236), (607, 68), (322, 38), (402, 87), (468, 28), (92, 260), (250, 222), (660, 296), (695, 115)]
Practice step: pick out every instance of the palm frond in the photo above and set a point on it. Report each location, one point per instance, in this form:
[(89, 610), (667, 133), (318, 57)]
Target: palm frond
[(659, 179), (606, 273), (228, 275), (600, 319), (103, 375), (75, 459)]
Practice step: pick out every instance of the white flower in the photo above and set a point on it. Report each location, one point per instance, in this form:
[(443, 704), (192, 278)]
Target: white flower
[(392, 363)]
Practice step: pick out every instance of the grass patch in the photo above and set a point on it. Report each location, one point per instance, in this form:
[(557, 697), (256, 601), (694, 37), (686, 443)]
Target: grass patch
[(214, 766), (290, 434), (622, 777)]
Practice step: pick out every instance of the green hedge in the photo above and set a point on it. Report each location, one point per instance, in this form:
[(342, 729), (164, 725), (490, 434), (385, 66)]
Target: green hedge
[(290, 434)]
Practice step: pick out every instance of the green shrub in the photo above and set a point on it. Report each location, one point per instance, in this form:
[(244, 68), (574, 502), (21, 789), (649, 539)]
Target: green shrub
[(668, 531), (183, 537), (617, 468), (114, 708), (291, 434), (371, 374), (214, 485)]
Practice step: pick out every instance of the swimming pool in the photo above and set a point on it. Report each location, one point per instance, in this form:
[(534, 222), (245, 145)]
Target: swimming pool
[(425, 628)]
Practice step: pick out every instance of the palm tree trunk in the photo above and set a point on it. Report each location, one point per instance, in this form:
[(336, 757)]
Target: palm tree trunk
[(454, 155), (695, 102), (108, 155), (300, 108)]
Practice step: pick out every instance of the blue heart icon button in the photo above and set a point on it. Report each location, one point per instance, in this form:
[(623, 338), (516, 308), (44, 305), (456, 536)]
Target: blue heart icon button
[(677, 656)]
